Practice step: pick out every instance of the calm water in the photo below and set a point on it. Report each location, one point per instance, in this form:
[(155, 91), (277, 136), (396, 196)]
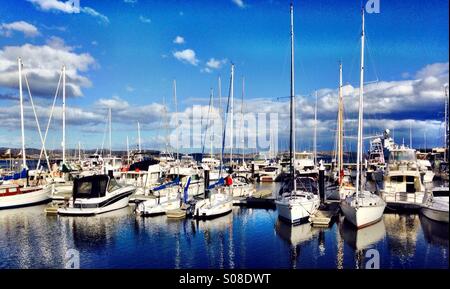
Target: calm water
[(247, 238)]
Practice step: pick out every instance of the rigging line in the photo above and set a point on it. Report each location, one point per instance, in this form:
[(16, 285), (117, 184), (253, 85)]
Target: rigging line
[(104, 136), (37, 122), (50, 118), (207, 126)]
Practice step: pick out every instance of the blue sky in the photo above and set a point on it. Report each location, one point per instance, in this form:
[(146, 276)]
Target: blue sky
[(132, 60)]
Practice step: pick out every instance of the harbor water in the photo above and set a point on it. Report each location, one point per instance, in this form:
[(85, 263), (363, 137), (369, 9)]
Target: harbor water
[(246, 238)]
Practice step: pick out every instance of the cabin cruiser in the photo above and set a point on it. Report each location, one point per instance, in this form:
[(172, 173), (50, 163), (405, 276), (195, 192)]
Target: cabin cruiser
[(425, 167), (96, 194), (403, 187), (270, 173), (436, 204), (217, 203), (142, 178), (260, 162), (304, 163)]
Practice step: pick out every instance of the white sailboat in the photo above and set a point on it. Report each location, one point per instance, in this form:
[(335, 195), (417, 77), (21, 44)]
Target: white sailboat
[(362, 208), (14, 195), (295, 205)]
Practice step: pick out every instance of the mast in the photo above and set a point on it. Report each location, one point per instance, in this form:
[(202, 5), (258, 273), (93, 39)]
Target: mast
[(79, 152), (139, 136), (211, 137), (242, 120), (292, 128), (315, 131), (340, 142), (128, 152), (446, 123), (360, 116), (231, 113), (220, 115), (110, 130), (176, 112), (22, 124), (64, 116), (410, 134)]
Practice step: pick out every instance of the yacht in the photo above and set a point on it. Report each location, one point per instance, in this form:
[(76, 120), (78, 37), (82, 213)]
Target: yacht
[(96, 194), (270, 173), (436, 204), (425, 167), (403, 187), (295, 205), (362, 208), (219, 202)]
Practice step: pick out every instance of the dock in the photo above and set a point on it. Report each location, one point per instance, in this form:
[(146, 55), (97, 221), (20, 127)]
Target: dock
[(261, 199), (325, 215)]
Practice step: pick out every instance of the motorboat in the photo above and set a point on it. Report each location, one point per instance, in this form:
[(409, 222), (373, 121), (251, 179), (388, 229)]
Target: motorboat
[(436, 204), (96, 194), (270, 173)]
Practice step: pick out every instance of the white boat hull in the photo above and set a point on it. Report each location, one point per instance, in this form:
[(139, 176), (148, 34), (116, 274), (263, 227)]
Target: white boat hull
[(217, 206), (435, 215), (362, 216), (296, 212), (25, 199)]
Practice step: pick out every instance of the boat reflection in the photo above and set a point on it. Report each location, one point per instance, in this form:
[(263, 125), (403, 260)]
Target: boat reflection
[(362, 238), (435, 232)]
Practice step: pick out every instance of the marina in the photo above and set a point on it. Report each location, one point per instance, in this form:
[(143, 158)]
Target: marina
[(228, 181)]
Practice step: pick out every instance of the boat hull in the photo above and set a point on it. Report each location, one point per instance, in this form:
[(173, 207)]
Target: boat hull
[(295, 212), (435, 215), (25, 199), (362, 216)]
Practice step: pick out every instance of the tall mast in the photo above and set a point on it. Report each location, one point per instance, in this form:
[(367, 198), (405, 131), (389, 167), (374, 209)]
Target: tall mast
[(292, 128), (64, 116), (128, 152), (231, 113), (410, 134), (139, 136), (220, 114), (242, 120), (176, 112), (211, 137), (315, 132), (110, 133), (446, 123), (361, 112), (340, 143), (22, 123), (79, 152)]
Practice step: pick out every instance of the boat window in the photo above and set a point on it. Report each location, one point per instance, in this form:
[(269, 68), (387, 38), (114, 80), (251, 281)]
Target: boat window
[(406, 155), (12, 190), (397, 179), (113, 185), (2, 191), (270, 169), (442, 193), (410, 179)]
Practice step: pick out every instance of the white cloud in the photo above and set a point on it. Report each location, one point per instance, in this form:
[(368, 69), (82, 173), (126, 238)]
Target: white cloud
[(42, 64), (187, 56), (29, 30), (129, 88), (130, 1), (215, 64), (239, 3), (179, 40), (435, 69), (144, 19), (67, 7)]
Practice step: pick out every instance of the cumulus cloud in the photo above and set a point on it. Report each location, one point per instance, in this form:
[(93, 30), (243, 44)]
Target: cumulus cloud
[(144, 19), (29, 30), (42, 65), (179, 40), (239, 3), (213, 64), (186, 56), (67, 7)]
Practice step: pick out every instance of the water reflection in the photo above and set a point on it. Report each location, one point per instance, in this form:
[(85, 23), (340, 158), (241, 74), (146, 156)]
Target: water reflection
[(362, 238), (402, 235), (435, 232)]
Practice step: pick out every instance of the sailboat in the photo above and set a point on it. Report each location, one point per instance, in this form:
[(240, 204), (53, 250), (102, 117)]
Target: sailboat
[(14, 195), (295, 205), (362, 208)]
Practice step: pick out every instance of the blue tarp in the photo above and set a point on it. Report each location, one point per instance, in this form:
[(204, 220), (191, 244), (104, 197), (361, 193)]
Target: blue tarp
[(15, 176), (220, 182), (167, 185)]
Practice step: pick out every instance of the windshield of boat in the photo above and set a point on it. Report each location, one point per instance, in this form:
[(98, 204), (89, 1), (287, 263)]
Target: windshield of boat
[(406, 155), (113, 185), (304, 156), (304, 183)]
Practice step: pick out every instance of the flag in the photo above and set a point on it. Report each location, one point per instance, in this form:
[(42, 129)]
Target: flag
[(8, 152)]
